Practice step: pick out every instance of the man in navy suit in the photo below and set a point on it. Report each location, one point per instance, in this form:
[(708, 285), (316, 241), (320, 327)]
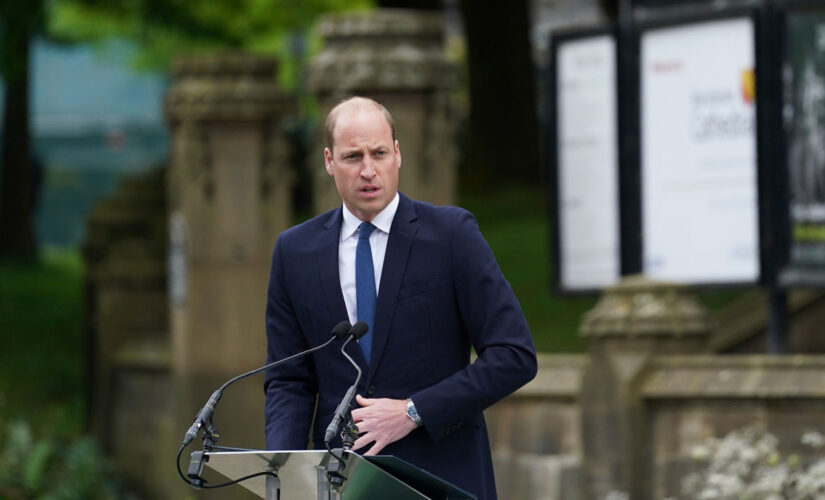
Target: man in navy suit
[(433, 290)]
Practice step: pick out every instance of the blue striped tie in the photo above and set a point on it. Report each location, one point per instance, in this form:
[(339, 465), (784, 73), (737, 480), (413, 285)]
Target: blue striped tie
[(365, 296)]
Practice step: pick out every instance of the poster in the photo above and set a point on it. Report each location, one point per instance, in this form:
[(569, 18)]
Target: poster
[(698, 153), (804, 123), (587, 163)]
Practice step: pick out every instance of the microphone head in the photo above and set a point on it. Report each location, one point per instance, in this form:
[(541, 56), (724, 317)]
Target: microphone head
[(341, 330), (359, 329)]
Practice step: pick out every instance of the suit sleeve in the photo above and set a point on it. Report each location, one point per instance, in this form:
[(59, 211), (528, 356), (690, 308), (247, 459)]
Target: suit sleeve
[(498, 331), (290, 388)]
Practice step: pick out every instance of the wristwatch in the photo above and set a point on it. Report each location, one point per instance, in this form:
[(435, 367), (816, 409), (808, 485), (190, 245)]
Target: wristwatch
[(413, 413)]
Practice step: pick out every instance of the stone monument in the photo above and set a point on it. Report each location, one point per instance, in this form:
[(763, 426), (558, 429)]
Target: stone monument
[(634, 321), (395, 57), (229, 199)]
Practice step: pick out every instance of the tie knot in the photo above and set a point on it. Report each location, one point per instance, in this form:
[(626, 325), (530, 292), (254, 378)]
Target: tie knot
[(365, 230)]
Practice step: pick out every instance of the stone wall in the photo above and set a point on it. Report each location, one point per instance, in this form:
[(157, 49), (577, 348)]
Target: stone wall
[(690, 398), (536, 433), (741, 326), (628, 415)]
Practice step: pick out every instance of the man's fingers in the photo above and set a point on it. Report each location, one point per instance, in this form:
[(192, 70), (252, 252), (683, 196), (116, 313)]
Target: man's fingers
[(380, 421), (362, 441), (374, 450), (357, 414)]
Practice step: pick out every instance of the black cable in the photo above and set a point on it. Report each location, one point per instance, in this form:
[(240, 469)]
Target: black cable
[(180, 471), (236, 481), (221, 485), (331, 452)]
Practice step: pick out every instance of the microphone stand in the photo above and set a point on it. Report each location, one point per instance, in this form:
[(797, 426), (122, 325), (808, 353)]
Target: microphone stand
[(204, 418), (337, 463), (350, 433)]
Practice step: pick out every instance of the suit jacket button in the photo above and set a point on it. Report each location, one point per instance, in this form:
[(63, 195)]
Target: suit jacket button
[(370, 390)]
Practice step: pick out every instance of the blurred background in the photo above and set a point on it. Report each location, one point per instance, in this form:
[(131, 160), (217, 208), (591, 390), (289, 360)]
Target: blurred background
[(153, 150)]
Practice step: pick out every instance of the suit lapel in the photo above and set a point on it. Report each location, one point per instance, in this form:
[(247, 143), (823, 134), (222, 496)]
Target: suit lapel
[(402, 233), (327, 264)]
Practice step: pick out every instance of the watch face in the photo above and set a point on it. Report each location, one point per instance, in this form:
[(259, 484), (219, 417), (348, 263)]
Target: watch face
[(412, 413)]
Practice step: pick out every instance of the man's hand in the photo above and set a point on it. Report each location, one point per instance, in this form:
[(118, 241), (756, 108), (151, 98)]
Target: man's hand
[(382, 421)]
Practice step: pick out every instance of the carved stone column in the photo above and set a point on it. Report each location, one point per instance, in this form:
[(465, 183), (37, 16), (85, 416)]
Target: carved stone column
[(229, 196), (635, 320), (395, 57)]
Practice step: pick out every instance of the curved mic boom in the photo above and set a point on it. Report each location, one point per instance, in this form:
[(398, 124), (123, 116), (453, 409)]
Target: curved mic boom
[(340, 330), (356, 332)]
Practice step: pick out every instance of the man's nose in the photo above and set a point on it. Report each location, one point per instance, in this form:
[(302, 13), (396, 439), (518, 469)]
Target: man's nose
[(368, 170)]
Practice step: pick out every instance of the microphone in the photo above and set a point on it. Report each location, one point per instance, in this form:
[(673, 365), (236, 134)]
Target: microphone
[(340, 330), (356, 332)]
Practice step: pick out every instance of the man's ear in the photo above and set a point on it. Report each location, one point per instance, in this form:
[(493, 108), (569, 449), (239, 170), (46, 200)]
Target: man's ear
[(328, 160), (398, 153)]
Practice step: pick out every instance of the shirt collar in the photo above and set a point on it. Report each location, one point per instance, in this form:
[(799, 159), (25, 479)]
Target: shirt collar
[(382, 221)]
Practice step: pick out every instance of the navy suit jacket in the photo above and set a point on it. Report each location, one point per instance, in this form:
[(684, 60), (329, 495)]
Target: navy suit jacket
[(441, 292)]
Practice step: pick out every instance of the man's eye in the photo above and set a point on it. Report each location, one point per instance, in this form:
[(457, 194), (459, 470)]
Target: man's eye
[(380, 153)]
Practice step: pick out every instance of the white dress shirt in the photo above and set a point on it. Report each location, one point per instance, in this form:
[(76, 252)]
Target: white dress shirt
[(346, 251)]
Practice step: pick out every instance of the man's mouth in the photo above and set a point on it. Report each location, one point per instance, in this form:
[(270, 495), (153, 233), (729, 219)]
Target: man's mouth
[(369, 189)]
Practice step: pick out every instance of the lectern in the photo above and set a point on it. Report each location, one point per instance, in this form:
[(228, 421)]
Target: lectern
[(305, 474)]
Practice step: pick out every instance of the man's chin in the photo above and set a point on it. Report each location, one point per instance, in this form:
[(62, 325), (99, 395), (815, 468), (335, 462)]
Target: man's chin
[(374, 205)]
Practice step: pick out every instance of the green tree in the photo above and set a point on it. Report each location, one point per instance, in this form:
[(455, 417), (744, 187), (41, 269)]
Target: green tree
[(163, 29), (160, 28), (19, 21), (503, 124)]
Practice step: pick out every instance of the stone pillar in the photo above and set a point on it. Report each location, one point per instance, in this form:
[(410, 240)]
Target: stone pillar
[(229, 196), (127, 326), (395, 57), (635, 320)]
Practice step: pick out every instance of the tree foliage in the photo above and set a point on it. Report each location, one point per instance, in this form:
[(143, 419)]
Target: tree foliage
[(18, 20), (165, 28), (160, 29)]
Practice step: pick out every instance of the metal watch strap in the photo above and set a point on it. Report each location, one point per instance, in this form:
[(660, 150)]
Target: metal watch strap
[(412, 413)]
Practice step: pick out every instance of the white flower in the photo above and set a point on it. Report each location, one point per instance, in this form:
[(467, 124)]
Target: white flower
[(813, 439), (617, 495), (746, 465)]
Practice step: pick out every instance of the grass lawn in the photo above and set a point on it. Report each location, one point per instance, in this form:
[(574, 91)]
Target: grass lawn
[(41, 370), (514, 222)]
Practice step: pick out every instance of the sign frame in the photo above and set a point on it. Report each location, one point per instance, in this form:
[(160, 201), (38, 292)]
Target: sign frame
[(554, 153)]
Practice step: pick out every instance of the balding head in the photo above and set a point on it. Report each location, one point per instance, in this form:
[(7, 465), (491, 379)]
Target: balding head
[(355, 103), (366, 159)]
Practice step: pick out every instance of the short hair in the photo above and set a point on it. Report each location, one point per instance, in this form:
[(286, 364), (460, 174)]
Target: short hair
[(332, 117)]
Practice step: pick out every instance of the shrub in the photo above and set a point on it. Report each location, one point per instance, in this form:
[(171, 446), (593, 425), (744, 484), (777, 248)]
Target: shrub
[(52, 470)]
